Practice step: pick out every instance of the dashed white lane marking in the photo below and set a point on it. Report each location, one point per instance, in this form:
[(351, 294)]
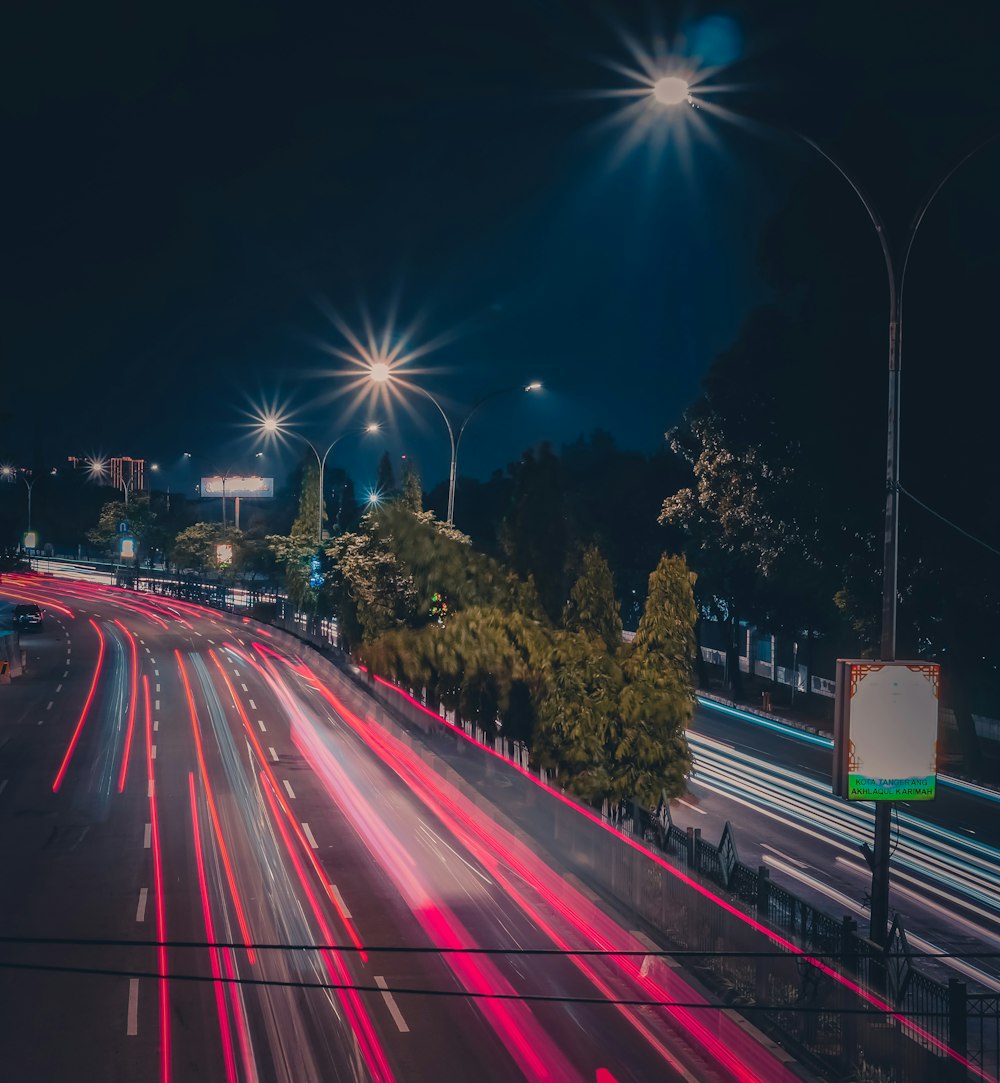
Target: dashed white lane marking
[(156, 724), (147, 836), (49, 708), (156, 673), (156, 706), (253, 706), (212, 641), (340, 901), (140, 910), (309, 835), (693, 808), (263, 728), (132, 1026), (244, 687), (66, 674), (40, 721), (274, 755), (69, 650), (3, 785), (197, 633), (149, 789), (153, 660), (157, 687), (58, 687), (390, 1003), (142, 641), (152, 752), (147, 650), (288, 788), (236, 672)]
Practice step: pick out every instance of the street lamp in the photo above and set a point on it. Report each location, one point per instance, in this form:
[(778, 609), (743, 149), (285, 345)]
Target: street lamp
[(668, 93), (271, 425), (379, 372)]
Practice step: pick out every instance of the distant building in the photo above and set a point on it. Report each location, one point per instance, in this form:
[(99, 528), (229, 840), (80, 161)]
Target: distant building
[(78, 462), (128, 472)]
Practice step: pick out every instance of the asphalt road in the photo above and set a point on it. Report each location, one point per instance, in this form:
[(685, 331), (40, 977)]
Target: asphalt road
[(774, 788), (166, 776)]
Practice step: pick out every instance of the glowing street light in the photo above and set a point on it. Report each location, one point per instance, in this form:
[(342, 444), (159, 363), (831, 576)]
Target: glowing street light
[(672, 90), (380, 372), (271, 424)]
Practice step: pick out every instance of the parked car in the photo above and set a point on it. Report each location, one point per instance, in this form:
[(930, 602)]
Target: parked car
[(28, 618)]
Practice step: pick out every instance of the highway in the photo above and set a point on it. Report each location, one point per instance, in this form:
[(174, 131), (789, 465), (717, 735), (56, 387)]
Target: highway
[(773, 785), (167, 775)]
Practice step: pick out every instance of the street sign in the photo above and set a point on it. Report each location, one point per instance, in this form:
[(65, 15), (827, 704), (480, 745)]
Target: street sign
[(122, 526)]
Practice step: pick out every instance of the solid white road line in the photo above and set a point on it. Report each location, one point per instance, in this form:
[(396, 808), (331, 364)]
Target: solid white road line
[(288, 788), (132, 1027), (390, 1003), (340, 901), (274, 755), (147, 836), (140, 911), (309, 835)]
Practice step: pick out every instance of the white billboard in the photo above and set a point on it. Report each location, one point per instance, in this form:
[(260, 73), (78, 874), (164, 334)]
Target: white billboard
[(233, 486), (885, 730)]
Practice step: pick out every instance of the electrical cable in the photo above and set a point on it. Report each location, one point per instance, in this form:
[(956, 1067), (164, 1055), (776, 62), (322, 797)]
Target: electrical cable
[(287, 983), (948, 522)]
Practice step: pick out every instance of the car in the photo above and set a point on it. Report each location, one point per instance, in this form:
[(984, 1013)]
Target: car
[(28, 618)]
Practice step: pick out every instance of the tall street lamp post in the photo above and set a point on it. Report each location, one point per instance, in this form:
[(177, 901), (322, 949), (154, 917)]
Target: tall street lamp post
[(272, 426), (380, 372), (674, 91)]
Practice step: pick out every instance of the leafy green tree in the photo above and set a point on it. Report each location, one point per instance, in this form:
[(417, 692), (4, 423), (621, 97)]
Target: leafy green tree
[(194, 547), (385, 479), (592, 605), (295, 550), (657, 702), (578, 712), (411, 496), (141, 519)]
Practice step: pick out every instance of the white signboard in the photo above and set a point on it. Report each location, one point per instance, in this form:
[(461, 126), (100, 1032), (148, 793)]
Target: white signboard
[(241, 487), (885, 730)]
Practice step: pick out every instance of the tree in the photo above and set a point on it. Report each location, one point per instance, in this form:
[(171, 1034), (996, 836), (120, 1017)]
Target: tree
[(137, 513), (385, 479), (194, 547), (592, 606), (411, 496), (657, 703), (296, 550)]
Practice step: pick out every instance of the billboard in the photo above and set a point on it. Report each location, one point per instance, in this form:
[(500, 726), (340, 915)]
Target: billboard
[(233, 486), (30, 540), (127, 548), (885, 730)]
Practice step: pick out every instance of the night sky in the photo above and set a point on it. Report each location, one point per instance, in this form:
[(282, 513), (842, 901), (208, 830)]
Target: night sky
[(190, 195)]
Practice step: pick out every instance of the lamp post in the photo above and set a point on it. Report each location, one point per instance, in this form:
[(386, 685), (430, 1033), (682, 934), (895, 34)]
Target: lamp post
[(380, 372), (273, 426), (668, 92), (31, 485)]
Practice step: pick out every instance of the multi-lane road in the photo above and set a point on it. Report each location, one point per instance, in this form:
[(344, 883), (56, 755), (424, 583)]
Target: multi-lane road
[(773, 784), (216, 865)]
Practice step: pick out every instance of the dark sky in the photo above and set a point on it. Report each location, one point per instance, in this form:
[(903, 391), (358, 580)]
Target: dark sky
[(190, 191)]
